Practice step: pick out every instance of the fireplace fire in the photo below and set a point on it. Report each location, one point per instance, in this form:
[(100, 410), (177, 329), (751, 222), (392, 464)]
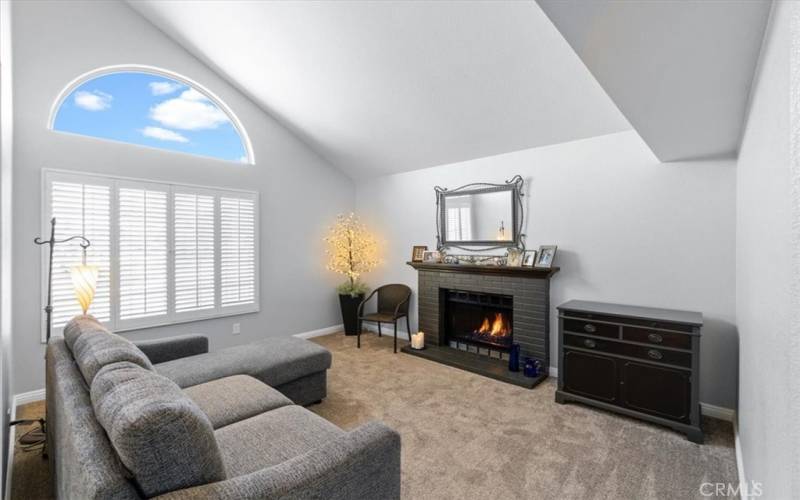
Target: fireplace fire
[(498, 327), (479, 319)]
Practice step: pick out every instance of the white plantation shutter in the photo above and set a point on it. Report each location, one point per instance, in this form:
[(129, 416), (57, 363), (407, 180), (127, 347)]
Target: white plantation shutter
[(143, 247), (237, 251), (80, 208), (165, 253), (194, 260)]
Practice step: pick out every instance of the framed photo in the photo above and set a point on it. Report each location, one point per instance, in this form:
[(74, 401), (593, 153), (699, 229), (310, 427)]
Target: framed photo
[(431, 256), (418, 253), (514, 257), (547, 254), (530, 258)]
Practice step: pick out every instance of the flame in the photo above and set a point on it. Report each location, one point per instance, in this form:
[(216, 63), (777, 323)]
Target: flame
[(496, 328)]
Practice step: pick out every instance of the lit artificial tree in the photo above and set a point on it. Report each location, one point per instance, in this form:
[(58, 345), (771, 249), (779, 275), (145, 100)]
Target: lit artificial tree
[(352, 251)]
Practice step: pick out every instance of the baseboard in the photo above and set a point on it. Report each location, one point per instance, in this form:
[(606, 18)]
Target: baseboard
[(740, 460), (387, 330), (318, 333), (28, 397), (718, 412), (12, 441)]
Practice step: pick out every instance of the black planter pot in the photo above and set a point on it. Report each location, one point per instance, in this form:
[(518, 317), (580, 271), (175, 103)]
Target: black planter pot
[(349, 306)]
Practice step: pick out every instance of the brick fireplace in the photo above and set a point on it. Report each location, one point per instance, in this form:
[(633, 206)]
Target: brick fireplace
[(455, 299)]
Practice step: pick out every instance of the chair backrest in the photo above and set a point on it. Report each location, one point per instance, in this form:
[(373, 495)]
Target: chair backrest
[(390, 296)]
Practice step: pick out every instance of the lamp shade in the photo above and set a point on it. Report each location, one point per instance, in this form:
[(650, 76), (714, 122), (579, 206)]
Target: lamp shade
[(84, 279)]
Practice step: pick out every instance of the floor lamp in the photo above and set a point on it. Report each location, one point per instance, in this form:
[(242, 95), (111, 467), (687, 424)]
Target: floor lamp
[(84, 279)]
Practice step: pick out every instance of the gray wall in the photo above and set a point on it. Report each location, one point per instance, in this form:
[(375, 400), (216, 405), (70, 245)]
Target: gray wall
[(767, 263), (300, 193), (629, 229)]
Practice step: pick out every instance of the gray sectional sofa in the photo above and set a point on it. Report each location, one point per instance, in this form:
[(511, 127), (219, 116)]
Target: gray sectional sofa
[(169, 420)]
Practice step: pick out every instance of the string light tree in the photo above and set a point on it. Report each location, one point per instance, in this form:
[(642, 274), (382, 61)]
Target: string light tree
[(352, 251)]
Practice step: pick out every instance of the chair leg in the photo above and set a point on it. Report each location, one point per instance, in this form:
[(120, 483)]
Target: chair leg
[(395, 336), (408, 328), (379, 329), (358, 334)]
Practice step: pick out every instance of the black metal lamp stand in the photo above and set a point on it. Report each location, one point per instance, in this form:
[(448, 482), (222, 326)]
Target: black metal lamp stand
[(35, 438), (48, 309)]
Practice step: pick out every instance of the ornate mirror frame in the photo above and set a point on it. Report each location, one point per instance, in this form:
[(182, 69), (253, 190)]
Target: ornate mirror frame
[(514, 185)]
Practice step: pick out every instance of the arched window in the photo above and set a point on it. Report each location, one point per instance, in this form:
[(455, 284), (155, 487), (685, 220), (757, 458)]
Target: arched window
[(151, 107)]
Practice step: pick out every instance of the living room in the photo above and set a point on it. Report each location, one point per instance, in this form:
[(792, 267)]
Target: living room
[(399, 249)]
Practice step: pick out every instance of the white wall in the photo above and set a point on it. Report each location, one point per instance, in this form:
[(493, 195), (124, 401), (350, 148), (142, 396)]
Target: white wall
[(6, 119), (300, 192), (767, 265), (629, 229)]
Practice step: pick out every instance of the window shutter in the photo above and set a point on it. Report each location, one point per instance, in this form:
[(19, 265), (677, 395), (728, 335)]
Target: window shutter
[(194, 252), (237, 251), (142, 252), (79, 209)]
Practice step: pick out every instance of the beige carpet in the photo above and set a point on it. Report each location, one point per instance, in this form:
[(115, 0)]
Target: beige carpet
[(466, 436)]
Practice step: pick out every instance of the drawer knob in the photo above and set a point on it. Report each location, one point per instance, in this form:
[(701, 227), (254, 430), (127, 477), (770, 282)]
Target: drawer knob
[(589, 328), (655, 338), (591, 344), (653, 354)]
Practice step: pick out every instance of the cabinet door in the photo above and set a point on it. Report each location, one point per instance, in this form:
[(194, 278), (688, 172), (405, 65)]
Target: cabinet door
[(656, 390), (590, 375)]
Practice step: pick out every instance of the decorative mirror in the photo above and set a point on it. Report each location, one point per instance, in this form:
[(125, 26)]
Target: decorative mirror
[(480, 215)]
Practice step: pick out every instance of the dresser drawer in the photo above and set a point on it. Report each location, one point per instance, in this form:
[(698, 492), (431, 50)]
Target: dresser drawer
[(592, 328), (657, 337), (635, 351)]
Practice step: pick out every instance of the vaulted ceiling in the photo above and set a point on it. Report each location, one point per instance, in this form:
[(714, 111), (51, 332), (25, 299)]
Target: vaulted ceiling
[(385, 87), (680, 71)]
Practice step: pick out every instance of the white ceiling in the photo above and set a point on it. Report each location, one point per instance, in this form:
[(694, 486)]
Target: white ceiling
[(680, 71), (384, 87)]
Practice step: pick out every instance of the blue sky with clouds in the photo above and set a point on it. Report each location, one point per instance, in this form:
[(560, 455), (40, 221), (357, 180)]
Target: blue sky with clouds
[(150, 110)]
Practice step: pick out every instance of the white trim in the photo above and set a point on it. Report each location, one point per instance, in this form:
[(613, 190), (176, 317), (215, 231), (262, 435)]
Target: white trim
[(553, 372), (389, 330), (320, 332), (12, 441), (28, 397), (718, 412), (143, 68), (739, 460)]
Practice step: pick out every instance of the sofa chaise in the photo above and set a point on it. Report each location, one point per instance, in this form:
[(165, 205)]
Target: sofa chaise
[(170, 420)]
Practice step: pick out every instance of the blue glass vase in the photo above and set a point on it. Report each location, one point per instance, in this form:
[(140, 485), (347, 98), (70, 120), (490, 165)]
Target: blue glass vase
[(513, 358)]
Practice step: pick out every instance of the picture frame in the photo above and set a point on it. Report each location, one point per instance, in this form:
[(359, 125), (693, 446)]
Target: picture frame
[(546, 257), (514, 258), (432, 256), (530, 258), (418, 253)]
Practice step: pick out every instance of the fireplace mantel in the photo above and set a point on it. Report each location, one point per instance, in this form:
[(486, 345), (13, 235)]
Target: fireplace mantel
[(523, 272)]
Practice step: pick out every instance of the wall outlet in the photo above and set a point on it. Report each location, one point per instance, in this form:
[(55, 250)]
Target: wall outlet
[(237, 329)]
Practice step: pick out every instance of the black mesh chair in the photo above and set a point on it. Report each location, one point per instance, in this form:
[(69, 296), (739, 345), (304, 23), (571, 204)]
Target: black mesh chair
[(392, 305)]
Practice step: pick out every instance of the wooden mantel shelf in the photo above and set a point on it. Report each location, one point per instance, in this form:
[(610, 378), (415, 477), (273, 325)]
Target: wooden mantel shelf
[(523, 272)]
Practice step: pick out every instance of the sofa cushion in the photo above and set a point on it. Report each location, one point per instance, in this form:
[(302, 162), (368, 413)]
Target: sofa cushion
[(95, 349), (272, 361), (160, 435), (231, 399), (79, 325), (272, 438)]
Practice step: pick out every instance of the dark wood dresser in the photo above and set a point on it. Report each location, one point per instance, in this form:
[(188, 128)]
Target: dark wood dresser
[(638, 361)]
